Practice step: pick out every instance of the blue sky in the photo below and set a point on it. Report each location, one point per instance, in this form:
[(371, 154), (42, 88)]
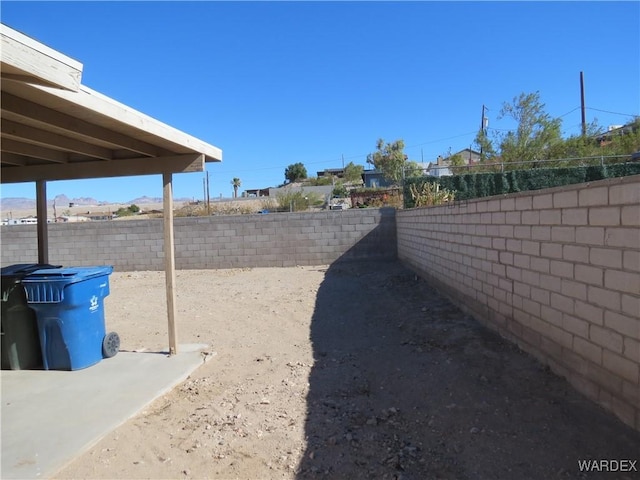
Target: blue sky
[(275, 83)]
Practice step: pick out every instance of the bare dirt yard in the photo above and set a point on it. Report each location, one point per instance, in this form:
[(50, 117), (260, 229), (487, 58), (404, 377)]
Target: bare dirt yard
[(354, 371)]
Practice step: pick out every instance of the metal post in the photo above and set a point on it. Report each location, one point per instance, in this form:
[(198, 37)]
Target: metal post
[(584, 115)]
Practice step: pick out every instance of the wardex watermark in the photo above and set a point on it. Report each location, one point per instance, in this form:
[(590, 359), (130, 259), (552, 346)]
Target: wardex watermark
[(607, 465)]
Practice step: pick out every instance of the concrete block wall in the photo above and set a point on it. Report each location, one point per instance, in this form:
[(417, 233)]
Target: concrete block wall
[(273, 240), (557, 271)]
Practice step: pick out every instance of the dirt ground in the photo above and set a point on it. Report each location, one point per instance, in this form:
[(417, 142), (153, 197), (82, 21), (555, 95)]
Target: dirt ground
[(355, 370)]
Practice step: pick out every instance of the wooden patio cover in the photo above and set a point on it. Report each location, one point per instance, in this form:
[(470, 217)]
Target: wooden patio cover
[(55, 128)]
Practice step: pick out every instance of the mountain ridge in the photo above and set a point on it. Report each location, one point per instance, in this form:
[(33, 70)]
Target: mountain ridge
[(62, 201)]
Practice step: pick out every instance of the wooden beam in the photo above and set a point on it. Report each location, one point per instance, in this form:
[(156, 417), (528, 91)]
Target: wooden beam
[(42, 227), (98, 169), (16, 77), (70, 125), (34, 151), (27, 134), (122, 118), (38, 62), (7, 158), (170, 262)]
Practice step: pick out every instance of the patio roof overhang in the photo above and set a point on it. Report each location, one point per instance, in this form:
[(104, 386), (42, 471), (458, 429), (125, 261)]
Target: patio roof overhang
[(55, 128)]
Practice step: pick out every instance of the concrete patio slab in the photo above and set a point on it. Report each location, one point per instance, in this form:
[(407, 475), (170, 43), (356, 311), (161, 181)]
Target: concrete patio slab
[(50, 417)]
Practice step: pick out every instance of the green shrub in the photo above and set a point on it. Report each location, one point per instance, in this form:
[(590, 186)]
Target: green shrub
[(130, 210), (476, 185), (426, 194), (296, 201)]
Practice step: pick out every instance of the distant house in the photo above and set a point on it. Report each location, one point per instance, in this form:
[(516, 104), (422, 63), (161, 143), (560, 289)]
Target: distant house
[(257, 192), (438, 169), (334, 172), (441, 167), (97, 217), (613, 131), (21, 221), (375, 179), (72, 219)]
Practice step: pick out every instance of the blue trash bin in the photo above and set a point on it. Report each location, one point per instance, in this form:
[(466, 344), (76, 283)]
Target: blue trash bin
[(69, 305)]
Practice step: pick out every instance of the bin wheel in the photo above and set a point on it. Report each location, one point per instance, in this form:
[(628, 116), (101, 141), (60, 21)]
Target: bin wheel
[(110, 344)]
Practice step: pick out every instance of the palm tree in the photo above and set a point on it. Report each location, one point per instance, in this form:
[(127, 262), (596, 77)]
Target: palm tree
[(236, 182)]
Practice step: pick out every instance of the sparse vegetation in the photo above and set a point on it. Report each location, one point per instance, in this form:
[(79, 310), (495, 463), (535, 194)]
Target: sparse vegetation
[(340, 191), (269, 204), (298, 200), (232, 209), (319, 181), (128, 211), (239, 207), (429, 193), (376, 197)]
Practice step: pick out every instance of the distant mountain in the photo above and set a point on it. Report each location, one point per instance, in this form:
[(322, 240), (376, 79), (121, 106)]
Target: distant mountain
[(145, 199), (17, 203), (62, 201)]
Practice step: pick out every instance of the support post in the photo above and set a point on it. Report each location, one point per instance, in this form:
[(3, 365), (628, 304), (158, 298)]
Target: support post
[(41, 214), (169, 261), (582, 106)]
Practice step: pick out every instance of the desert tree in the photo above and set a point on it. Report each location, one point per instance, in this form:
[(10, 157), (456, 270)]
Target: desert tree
[(295, 172), (389, 159), (236, 182), (536, 131), (353, 173)]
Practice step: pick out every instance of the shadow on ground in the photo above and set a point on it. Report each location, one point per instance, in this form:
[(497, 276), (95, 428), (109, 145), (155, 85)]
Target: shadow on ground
[(404, 385)]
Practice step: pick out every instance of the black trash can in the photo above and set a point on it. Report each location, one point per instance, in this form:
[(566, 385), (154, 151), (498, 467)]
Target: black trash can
[(20, 340)]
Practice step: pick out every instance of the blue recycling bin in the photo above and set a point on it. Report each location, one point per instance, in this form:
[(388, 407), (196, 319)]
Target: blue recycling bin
[(69, 305)]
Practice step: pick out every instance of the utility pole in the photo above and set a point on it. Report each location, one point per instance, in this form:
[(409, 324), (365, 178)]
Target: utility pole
[(582, 107), (208, 199), (483, 126)]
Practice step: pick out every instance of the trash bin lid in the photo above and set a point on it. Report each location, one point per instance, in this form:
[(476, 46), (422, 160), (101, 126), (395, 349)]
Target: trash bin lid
[(67, 275), (47, 285), (24, 269)]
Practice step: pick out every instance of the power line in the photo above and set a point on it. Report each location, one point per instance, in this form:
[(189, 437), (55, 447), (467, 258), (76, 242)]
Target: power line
[(350, 157), (443, 139), (565, 114), (340, 159), (613, 113)]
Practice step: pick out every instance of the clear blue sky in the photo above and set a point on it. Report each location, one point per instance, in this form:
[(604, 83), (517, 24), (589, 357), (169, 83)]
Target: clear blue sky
[(275, 83)]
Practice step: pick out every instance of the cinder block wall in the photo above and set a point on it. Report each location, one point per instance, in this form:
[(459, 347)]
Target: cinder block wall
[(557, 271), (273, 240)]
